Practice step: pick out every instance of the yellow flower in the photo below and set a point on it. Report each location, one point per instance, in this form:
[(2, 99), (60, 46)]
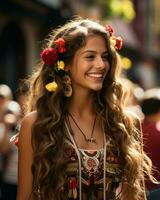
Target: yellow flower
[(60, 65), (51, 87)]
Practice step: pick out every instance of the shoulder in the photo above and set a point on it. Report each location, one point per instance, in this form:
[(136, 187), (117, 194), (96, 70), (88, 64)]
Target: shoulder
[(29, 119), (26, 127)]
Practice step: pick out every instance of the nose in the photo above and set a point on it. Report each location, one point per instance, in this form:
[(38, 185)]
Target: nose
[(100, 63)]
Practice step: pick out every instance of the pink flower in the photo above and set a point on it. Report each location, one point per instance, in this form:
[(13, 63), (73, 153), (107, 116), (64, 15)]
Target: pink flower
[(49, 56), (109, 29), (60, 44)]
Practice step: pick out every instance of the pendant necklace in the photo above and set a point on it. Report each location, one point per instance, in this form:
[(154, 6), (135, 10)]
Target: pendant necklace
[(91, 139)]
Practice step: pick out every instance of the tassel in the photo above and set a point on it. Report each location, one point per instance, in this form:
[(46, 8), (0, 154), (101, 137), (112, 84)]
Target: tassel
[(91, 191), (74, 193), (70, 193), (72, 188)]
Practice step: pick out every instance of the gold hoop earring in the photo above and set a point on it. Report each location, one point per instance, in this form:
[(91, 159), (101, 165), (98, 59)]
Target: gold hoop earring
[(67, 88)]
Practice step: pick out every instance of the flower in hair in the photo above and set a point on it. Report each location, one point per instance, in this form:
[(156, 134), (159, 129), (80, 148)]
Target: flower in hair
[(109, 29), (60, 65), (51, 87), (60, 44), (117, 42), (49, 56)]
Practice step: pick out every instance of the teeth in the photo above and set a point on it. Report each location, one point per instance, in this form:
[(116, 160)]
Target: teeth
[(95, 75)]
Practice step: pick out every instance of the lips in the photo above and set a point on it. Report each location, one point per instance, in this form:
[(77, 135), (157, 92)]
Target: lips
[(96, 75), (92, 75)]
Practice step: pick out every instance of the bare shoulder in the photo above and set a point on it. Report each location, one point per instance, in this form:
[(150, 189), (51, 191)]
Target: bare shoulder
[(26, 128), (29, 119)]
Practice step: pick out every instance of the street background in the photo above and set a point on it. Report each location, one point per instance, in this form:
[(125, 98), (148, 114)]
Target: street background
[(23, 26), (25, 23)]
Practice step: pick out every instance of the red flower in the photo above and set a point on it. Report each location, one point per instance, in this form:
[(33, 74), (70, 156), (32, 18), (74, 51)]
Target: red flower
[(109, 29), (119, 43), (60, 44), (49, 56)]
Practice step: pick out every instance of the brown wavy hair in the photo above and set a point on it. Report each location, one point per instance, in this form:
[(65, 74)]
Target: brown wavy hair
[(48, 129)]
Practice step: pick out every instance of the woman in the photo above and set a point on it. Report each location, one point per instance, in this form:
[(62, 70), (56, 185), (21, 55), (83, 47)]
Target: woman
[(78, 142)]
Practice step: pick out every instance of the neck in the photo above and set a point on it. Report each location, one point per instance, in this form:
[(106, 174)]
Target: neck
[(81, 103)]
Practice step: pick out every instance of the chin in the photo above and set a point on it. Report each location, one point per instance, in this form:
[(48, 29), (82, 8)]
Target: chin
[(97, 88)]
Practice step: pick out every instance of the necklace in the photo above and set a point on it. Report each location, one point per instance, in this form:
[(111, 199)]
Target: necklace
[(90, 139)]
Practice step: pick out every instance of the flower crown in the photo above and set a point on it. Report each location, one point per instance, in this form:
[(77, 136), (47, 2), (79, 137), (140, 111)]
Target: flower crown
[(117, 42), (51, 56)]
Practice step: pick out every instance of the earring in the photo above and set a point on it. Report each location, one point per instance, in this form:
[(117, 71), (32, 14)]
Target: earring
[(67, 88)]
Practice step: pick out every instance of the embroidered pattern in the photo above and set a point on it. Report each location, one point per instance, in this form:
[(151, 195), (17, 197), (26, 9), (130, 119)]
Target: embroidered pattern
[(93, 173), (92, 166)]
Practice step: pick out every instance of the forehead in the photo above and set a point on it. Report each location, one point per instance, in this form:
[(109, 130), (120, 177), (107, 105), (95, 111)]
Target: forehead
[(94, 43)]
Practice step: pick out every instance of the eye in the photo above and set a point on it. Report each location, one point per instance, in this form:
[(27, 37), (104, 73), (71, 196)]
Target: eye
[(90, 57), (105, 57)]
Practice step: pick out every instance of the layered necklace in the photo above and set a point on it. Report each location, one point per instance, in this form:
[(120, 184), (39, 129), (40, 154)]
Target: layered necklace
[(91, 139)]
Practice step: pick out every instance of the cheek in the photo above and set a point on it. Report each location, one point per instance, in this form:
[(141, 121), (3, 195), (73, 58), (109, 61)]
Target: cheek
[(75, 75)]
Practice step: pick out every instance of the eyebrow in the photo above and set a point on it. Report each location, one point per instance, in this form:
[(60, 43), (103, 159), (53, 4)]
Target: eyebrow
[(92, 51)]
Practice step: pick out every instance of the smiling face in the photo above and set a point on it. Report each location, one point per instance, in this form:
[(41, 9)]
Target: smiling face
[(90, 65)]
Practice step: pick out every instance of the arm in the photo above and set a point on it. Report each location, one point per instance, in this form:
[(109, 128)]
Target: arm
[(25, 158)]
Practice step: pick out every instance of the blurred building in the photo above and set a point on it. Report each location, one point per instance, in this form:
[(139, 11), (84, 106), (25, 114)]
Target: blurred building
[(23, 26), (25, 23), (147, 29)]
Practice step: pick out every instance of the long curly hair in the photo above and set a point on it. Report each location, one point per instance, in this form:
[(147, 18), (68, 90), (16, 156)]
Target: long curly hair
[(48, 132)]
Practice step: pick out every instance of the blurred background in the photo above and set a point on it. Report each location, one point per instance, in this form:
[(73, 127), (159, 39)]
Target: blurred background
[(23, 26), (25, 23)]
